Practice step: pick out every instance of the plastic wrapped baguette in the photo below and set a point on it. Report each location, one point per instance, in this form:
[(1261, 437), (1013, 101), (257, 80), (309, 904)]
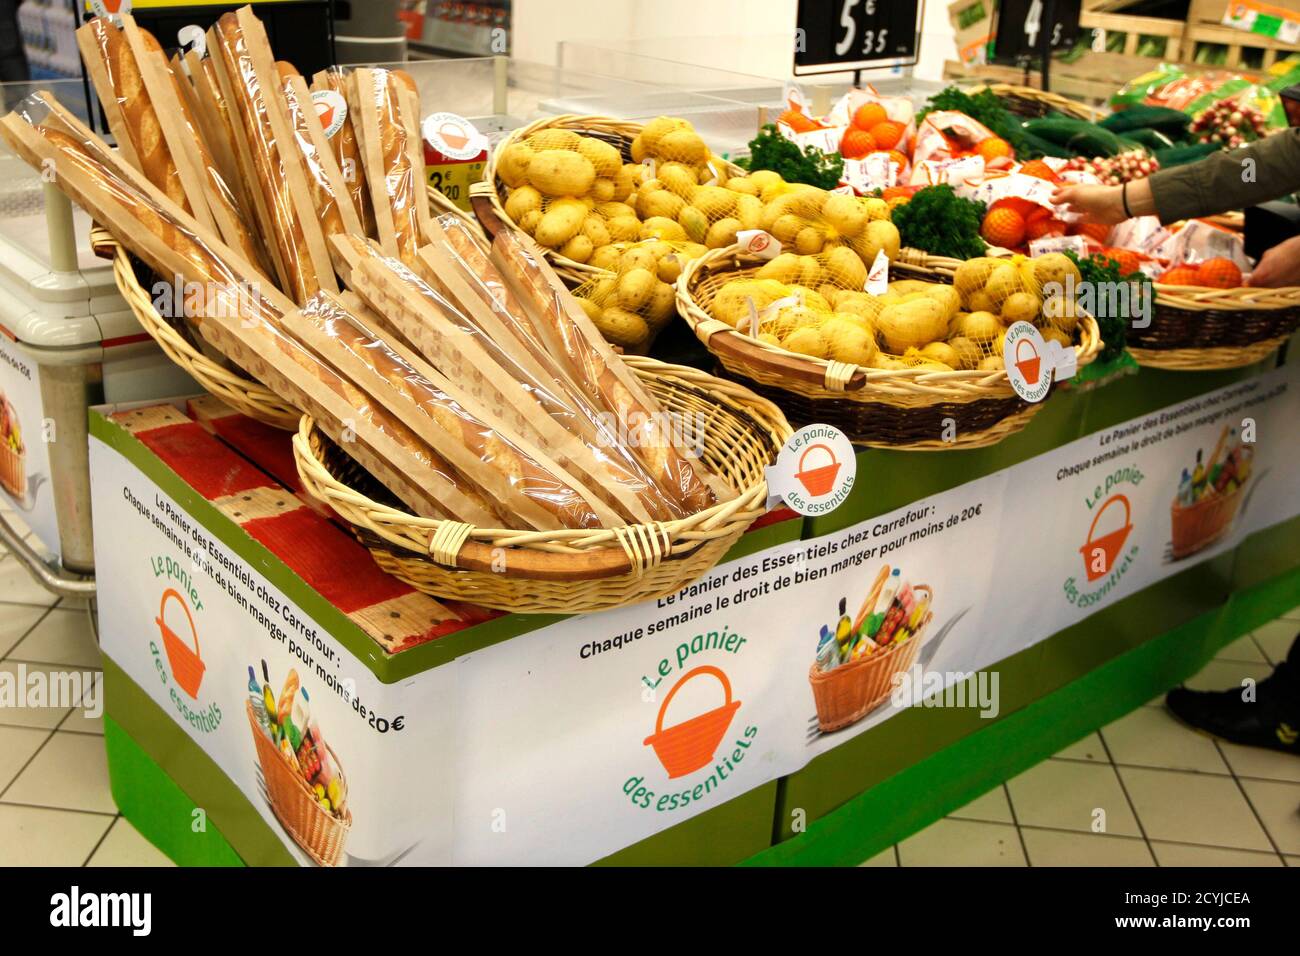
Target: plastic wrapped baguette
[(343, 143), (334, 207)]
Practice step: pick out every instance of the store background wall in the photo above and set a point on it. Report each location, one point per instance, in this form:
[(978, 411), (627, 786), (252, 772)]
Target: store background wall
[(742, 36)]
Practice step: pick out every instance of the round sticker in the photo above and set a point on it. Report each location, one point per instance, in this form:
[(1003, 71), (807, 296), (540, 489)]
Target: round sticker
[(109, 8), (453, 136), (1027, 359), (814, 472), (332, 109)]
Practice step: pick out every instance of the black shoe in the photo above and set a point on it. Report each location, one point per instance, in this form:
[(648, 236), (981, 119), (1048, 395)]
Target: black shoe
[(1271, 720)]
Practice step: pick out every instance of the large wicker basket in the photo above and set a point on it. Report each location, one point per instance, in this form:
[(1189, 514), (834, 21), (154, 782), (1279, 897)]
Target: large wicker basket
[(245, 395), (13, 471), (913, 409), (616, 132), (847, 693), (1195, 329), (320, 833), (1030, 103), (568, 571), (1197, 526)]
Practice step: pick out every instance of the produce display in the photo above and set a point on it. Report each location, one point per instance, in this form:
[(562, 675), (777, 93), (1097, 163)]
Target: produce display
[(287, 721)]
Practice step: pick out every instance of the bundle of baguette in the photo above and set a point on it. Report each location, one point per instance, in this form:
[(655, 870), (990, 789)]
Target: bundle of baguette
[(463, 376)]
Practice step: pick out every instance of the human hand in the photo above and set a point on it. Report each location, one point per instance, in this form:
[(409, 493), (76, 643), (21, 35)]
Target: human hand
[(1100, 204), (1279, 266)]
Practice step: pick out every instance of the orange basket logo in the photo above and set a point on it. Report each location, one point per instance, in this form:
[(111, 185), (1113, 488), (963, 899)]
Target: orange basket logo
[(1029, 367), (1099, 554), (686, 747), (454, 135), (819, 481), (187, 667)]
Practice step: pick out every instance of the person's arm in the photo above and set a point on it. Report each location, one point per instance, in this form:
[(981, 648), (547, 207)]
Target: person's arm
[(1218, 183)]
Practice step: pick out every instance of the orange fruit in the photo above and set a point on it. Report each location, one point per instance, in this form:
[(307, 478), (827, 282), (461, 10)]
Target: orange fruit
[(1094, 230), (797, 121), (995, 147), (896, 192), (1004, 227), (1023, 207), (1182, 275), (868, 115), (1039, 170), (1127, 261), (1037, 228), (1038, 213), (888, 134), (1219, 273), (857, 143)]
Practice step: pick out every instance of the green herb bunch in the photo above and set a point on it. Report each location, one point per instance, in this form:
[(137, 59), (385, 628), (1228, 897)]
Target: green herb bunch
[(770, 150), (938, 221), (1096, 269), (984, 107)]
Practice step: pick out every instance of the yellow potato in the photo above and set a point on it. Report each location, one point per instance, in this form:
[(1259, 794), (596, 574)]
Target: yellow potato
[(623, 328), (880, 235), (635, 288), (678, 179), (624, 228), (578, 248), (559, 224), (1021, 307), (683, 145), (660, 203), (806, 341), (637, 149), (877, 209), (845, 214), (848, 342), (714, 201), (980, 301), (969, 353), (973, 274), (557, 172), (615, 210), (863, 304), (991, 363), (979, 327), (694, 224), (912, 324), (749, 210), (786, 228), (658, 128), (743, 184), (604, 157), (943, 352), (565, 139), (512, 164), (528, 222), (811, 273), (1056, 267), (602, 190), (1004, 280), (626, 181), (640, 256), (722, 233), (604, 257), (767, 338), (593, 227), (523, 199), (661, 228), (809, 241), (669, 268), (662, 305), (845, 269), (782, 268), (764, 178), (591, 307)]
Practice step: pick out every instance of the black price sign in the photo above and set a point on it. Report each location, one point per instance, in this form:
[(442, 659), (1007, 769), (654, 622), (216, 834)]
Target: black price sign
[(836, 35), (1023, 25)]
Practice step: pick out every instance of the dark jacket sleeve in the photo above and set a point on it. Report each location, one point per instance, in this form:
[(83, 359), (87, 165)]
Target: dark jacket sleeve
[(1224, 181)]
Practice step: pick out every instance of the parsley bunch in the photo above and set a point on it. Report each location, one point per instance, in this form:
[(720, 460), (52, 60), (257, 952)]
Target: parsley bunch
[(938, 221), (770, 150), (1098, 268)]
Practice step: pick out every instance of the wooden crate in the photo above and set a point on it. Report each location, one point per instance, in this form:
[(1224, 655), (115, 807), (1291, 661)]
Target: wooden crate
[(1134, 28)]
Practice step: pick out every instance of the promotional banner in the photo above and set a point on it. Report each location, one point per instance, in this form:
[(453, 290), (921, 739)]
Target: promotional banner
[(568, 743), (24, 436)]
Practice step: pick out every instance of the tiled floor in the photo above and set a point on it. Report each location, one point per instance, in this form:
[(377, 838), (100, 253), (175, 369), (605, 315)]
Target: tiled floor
[(1143, 791)]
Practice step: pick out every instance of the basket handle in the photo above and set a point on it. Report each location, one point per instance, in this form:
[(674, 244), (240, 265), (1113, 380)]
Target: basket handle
[(480, 201), (162, 607), (825, 448), (869, 603), (1128, 513), (702, 669), (1025, 342)]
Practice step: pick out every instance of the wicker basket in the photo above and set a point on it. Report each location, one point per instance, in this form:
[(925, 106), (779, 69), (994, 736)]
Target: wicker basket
[(440, 205), (616, 132), (903, 408), (245, 395), (1030, 103), (567, 571), (13, 471), (849, 692), (1195, 329), (320, 834), (1199, 525)]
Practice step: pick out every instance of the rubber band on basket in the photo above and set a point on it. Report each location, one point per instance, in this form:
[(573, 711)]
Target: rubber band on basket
[(645, 545), (838, 375), (445, 543)]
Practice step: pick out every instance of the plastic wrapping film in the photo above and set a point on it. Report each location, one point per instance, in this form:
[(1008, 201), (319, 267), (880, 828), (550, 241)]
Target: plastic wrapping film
[(543, 496), (597, 368), (347, 151), (236, 312), (385, 115), (471, 269), (333, 204)]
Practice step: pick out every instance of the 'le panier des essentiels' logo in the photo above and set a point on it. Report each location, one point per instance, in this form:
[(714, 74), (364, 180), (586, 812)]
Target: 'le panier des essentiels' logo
[(174, 644), (1105, 552), (697, 741)]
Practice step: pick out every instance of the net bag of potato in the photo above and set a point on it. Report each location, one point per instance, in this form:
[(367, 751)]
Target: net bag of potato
[(914, 365), (575, 184), (634, 300)]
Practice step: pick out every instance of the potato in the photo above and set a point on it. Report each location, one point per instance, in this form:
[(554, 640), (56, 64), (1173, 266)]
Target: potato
[(845, 214), (813, 300), (523, 199), (694, 223), (991, 363), (635, 288), (946, 296), (623, 328), (714, 201), (979, 327), (638, 149), (811, 273), (624, 228), (943, 352), (845, 269), (602, 190), (880, 235), (773, 190), (863, 304), (661, 228), (559, 224), (529, 221), (625, 181), (678, 179), (660, 202), (565, 139), (589, 306), (912, 324), (593, 227), (1004, 280), (693, 250), (683, 145), (749, 210), (775, 209), (806, 341), (615, 210), (658, 128), (662, 305), (782, 268), (764, 178), (877, 209), (969, 353), (669, 268), (743, 184), (887, 363), (604, 157), (1021, 307), (848, 342), (980, 301), (578, 248), (973, 274), (640, 256), (557, 172), (767, 338), (731, 304), (603, 257), (722, 233), (1061, 312), (512, 164), (786, 228), (809, 241)]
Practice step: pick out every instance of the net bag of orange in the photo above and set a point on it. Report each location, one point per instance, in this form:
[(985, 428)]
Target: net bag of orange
[(946, 135)]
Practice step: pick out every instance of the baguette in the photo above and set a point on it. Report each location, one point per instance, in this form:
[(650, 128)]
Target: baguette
[(599, 371), (333, 203), (343, 143)]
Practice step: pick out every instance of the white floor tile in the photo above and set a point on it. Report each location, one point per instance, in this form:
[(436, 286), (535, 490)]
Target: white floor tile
[(1057, 848), (124, 846), (62, 637), (15, 621), (18, 587), (886, 857), (1243, 648), (1090, 748), (1278, 805), (17, 744), (991, 807), (1182, 854), (963, 843), (1193, 808), (1275, 638), (34, 836), (1070, 795), (1153, 738), (69, 773)]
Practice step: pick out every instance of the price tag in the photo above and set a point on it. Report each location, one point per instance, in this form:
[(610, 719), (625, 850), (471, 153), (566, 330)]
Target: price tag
[(1022, 28), (455, 153), (871, 173), (836, 35), (878, 275), (759, 243), (1075, 244)]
